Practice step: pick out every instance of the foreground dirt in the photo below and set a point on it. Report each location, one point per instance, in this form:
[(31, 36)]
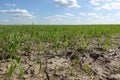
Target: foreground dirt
[(66, 64)]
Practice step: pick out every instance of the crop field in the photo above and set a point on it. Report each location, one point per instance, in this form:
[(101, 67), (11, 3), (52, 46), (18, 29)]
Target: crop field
[(59, 52)]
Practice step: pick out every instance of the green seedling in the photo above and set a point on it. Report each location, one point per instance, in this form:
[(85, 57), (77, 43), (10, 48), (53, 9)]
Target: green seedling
[(14, 64), (55, 71), (105, 47), (10, 71), (88, 70), (75, 62), (13, 45), (27, 48), (82, 45), (66, 43), (116, 69), (17, 63), (40, 59)]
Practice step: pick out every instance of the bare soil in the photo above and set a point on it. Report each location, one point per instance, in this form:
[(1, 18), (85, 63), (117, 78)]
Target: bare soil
[(66, 64)]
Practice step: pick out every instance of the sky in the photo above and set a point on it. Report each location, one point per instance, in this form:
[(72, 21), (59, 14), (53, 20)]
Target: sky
[(59, 11)]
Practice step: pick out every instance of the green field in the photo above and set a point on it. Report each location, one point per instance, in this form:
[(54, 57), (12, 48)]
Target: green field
[(22, 39), (58, 35)]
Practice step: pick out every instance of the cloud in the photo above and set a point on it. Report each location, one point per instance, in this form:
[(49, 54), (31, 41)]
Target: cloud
[(4, 21), (95, 2), (10, 5), (60, 17), (95, 15), (69, 14), (67, 3), (100, 2), (110, 6), (105, 4), (117, 14), (92, 15), (82, 14), (18, 13)]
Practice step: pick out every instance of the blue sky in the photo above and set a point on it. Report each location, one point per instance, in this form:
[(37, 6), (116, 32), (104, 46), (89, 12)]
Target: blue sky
[(59, 11)]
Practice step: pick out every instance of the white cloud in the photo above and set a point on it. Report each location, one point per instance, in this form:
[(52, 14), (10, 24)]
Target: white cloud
[(95, 15), (69, 14), (105, 4), (91, 15), (101, 18), (67, 3), (18, 13), (110, 6), (10, 5), (117, 14), (4, 21), (82, 14), (95, 2), (60, 17), (100, 2)]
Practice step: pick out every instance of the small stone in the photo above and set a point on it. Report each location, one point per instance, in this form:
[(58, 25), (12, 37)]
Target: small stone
[(114, 77)]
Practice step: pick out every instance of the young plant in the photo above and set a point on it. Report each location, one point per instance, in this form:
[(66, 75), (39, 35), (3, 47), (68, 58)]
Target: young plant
[(13, 45), (82, 45), (66, 43), (40, 59), (75, 62), (55, 71), (116, 70), (88, 70)]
